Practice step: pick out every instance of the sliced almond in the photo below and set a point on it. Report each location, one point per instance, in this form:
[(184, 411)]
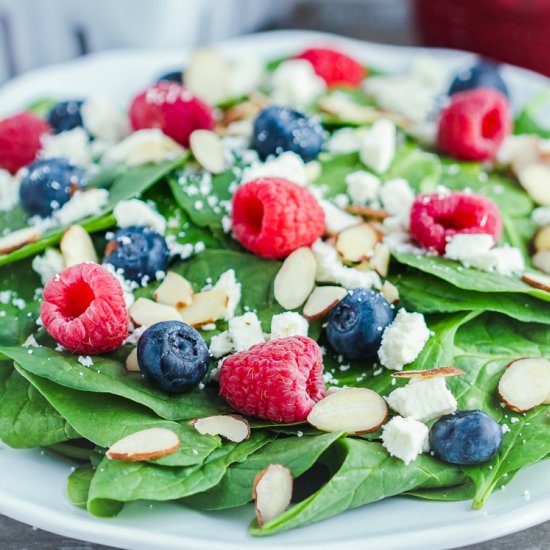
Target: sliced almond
[(207, 75), (144, 312), (357, 243), (541, 240), (525, 384), (380, 260), (207, 307), (535, 179), (148, 444), (175, 291), (537, 280), (390, 292), (352, 410), (336, 220), (272, 492), (322, 300), (77, 247), (231, 426), (18, 239), (441, 372), (541, 260), (131, 362), (367, 212), (208, 150), (296, 278)]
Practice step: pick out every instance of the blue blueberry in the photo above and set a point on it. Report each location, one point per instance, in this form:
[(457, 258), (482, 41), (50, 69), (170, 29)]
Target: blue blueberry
[(278, 129), (356, 324), (65, 115), (172, 356), (139, 251), (465, 437), (483, 74), (48, 184), (173, 76)]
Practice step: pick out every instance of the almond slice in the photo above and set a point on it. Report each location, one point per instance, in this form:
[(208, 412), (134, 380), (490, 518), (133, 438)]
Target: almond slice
[(535, 179), (357, 243), (541, 240), (175, 291), (17, 239), (208, 150), (380, 260), (207, 75), (525, 384), (537, 280), (272, 492), (296, 278), (390, 292), (441, 372), (77, 247), (367, 212), (541, 260), (207, 307), (131, 362), (231, 426), (352, 410), (144, 312), (148, 444), (322, 300)]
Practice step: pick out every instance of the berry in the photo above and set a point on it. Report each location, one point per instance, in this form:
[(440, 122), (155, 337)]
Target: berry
[(20, 140), (355, 326), (334, 67), (278, 129), (48, 184), (474, 124), (173, 109), (436, 218), (279, 380), (84, 309), (65, 115), (465, 437), (173, 76), (273, 217), (139, 251), (172, 356), (483, 74)]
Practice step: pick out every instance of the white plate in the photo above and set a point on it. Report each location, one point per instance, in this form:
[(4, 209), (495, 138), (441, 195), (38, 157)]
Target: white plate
[(32, 483)]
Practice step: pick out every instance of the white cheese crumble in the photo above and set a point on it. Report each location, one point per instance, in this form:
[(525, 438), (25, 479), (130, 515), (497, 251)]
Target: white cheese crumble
[(463, 247), (48, 264), (31, 342), (73, 145), (362, 187), (378, 146), (9, 191), (245, 75), (221, 344), (85, 360), (336, 219), (423, 399), (287, 324), (245, 331), (82, 205), (403, 340), (103, 120), (397, 198), (295, 83), (287, 165), (404, 438), (346, 140), (232, 288), (136, 212)]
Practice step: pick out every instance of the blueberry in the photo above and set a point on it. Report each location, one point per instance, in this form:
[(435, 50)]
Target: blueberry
[(65, 115), (483, 74), (356, 324), (48, 184), (465, 437), (278, 129), (139, 251), (172, 76), (172, 356)]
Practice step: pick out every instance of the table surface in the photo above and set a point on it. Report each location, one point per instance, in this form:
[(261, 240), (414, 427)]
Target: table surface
[(375, 20)]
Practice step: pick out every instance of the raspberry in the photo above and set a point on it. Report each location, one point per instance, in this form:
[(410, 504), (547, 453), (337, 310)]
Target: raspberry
[(272, 217), (84, 309), (334, 67), (279, 380), (20, 140), (474, 124), (436, 218), (173, 109)]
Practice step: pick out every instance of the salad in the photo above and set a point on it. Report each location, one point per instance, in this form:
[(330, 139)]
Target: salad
[(304, 284)]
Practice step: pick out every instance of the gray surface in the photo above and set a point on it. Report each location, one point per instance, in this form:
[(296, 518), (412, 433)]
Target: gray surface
[(376, 20)]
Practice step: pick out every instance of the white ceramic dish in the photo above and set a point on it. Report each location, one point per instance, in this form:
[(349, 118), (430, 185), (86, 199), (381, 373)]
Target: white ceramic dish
[(32, 483)]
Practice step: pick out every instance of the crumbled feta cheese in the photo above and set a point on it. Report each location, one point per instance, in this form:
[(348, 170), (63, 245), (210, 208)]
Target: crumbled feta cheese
[(362, 187), (288, 165), (295, 83), (245, 75), (9, 191), (85, 360), (135, 333), (540, 215), (397, 198), (221, 344), (404, 438), (48, 264), (289, 323), (504, 260), (336, 220), (31, 342), (378, 146), (465, 246), (228, 282), (73, 145), (245, 331), (423, 399), (103, 120), (208, 327), (346, 140), (183, 250), (136, 212), (82, 204), (403, 340)]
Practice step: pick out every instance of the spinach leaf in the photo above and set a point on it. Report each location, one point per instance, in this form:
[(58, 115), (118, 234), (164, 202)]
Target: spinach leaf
[(527, 123), (464, 491), (78, 485)]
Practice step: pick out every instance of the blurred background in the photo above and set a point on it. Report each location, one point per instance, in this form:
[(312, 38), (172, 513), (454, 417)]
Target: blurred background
[(37, 32)]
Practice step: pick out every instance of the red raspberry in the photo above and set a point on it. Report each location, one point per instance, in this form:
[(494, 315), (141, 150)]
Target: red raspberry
[(334, 67), (474, 124), (272, 217), (84, 309), (173, 109), (20, 140), (436, 218), (279, 380)]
